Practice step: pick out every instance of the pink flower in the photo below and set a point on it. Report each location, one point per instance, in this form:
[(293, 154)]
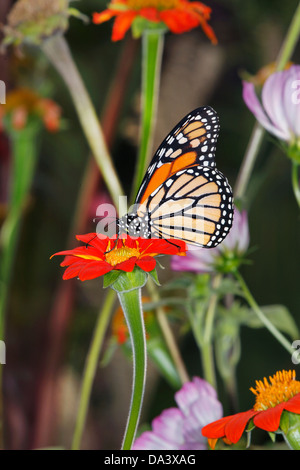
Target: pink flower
[(180, 428), (226, 257), (279, 109)]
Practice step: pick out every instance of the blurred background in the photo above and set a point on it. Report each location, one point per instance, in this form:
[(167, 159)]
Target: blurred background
[(50, 322)]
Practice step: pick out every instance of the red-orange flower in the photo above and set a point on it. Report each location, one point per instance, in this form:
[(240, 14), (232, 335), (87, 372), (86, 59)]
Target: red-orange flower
[(282, 393), (23, 103), (178, 15), (97, 257)]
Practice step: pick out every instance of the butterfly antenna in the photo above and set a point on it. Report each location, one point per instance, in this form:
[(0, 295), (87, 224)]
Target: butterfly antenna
[(88, 243), (115, 244)]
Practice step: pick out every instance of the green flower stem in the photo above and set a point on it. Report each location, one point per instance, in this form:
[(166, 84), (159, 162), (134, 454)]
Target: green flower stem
[(206, 346), (295, 181), (132, 308), (91, 365), (58, 52), (290, 41), (168, 335), (24, 155), (152, 49), (1, 410), (128, 286), (258, 132), (269, 325), (248, 162)]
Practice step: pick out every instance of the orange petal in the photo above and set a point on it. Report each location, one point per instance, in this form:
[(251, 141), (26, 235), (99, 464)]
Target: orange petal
[(146, 263), (216, 429), (179, 21), (236, 425), (150, 14), (212, 443), (209, 32), (122, 24), (94, 269), (105, 15), (201, 8), (269, 419), (293, 404)]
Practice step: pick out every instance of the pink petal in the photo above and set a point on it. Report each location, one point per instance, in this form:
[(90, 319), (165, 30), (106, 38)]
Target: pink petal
[(238, 237), (256, 108), (200, 260), (166, 434), (291, 99), (272, 99)]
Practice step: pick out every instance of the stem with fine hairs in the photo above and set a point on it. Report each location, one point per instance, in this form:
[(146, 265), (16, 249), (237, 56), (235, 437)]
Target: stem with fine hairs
[(58, 52)]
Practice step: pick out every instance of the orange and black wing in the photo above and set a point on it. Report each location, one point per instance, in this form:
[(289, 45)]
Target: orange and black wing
[(191, 142), (183, 195), (194, 205)]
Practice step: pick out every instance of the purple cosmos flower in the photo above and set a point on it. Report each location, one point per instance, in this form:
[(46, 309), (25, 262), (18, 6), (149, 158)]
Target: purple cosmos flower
[(225, 257), (180, 428), (279, 109)]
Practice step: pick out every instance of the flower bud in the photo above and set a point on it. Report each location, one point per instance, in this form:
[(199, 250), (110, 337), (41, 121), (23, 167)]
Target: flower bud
[(32, 22)]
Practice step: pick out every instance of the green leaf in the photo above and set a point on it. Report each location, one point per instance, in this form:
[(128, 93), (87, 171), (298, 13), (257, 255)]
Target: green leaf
[(127, 282), (153, 275), (110, 278), (228, 286), (292, 435), (279, 315), (272, 436), (165, 302), (160, 356), (250, 425), (138, 25), (141, 25), (182, 282), (227, 347), (108, 353), (284, 422)]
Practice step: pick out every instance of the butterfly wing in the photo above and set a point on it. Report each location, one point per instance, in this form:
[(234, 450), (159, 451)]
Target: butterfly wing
[(192, 141), (193, 205)]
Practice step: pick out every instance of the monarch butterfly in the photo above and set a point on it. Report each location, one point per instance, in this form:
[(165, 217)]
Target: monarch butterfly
[(183, 196)]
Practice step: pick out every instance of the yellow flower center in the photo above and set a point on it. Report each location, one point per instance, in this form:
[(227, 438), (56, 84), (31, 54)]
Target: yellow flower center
[(158, 4), (283, 386), (118, 255)]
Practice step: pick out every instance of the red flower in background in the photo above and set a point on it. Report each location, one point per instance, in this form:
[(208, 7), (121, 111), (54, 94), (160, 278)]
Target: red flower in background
[(95, 259), (22, 103), (282, 393), (178, 15)]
